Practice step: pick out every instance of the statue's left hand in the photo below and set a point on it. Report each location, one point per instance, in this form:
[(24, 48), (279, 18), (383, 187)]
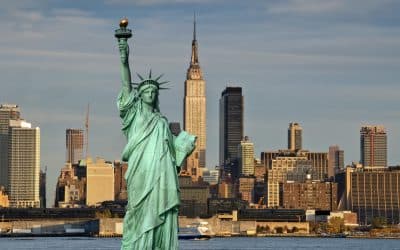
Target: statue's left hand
[(123, 50)]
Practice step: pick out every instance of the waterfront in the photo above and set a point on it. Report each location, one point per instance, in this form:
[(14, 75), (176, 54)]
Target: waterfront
[(240, 243)]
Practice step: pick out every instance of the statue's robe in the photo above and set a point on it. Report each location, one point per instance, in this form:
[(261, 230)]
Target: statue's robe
[(151, 219)]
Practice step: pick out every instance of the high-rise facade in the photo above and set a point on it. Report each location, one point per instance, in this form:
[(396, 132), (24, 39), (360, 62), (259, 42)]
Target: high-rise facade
[(7, 112), (42, 188), (294, 136), (246, 157), (285, 168), (373, 146), (120, 192), (74, 145), (99, 182), (310, 195), (319, 161), (373, 192), (211, 176), (195, 111), (319, 164), (335, 160), (24, 164), (246, 188), (230, 126), (193, 197)]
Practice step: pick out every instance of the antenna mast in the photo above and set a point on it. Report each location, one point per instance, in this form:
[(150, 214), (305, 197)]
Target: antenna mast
[(87, 131)]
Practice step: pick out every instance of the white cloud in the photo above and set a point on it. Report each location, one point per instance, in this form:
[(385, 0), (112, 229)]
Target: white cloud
[(156, 2), (306, 6)]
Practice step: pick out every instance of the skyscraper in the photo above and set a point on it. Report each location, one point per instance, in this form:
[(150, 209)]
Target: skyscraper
[(24, 164), (195, 111), (230, 126), (7, 112), (294, 136), (74, 145), (246, 157), (42, 188), (335, 160), (373, 146)]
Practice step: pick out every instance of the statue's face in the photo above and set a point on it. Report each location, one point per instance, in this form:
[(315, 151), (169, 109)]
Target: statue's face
[(149, 95)]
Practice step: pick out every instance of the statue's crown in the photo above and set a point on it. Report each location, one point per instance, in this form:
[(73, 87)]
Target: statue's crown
[(149, 81)]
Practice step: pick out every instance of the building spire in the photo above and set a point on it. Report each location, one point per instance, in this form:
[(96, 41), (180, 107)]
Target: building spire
[(195, 57), (194, 26)]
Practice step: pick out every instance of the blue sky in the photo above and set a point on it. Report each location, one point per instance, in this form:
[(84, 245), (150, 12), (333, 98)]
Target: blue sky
[(332, 66)]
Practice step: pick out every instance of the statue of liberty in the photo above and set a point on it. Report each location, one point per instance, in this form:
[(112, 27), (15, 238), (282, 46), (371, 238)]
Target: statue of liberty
[(154, 156)]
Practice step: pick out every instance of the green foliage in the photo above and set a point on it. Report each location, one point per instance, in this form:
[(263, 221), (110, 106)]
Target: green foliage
[(318, 227), (279, 230), (103, 214), (263, 229), (336, 225), (379, 222)]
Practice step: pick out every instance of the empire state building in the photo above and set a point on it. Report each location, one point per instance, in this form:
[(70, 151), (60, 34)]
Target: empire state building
[(195, 111)]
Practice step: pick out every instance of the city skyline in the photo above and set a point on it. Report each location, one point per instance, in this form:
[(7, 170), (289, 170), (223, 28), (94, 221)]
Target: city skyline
[(328, 66)]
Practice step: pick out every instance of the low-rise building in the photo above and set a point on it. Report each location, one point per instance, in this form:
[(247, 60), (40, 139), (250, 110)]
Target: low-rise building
[(246, 188), (70, 188), (4, 202), (292, 167), (373, 192), (310, 195), (100, 182), (193, 196), (120, 192)]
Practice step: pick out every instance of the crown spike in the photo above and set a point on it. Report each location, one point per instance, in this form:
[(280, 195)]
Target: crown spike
[(140, 77), (149, 81), (158, 78)]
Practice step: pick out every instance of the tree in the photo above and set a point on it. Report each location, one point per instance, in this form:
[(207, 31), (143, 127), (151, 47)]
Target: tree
[(103, 214), (279, 230), (379, 222), (336, 225)]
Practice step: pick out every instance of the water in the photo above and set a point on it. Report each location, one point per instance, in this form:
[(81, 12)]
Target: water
[(77, 243)]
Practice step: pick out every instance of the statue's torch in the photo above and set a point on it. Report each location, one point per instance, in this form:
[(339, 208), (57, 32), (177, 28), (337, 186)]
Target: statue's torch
[(123, 32)]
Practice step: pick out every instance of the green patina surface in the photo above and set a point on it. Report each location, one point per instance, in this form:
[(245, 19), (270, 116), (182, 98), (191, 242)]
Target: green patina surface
[(154, 156)]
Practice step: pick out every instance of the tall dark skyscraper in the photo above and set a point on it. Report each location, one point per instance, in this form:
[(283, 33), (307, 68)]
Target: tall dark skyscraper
[(230, 125), (294, 136), (42, 188), (335, 160), (74, 145), (373, 146)]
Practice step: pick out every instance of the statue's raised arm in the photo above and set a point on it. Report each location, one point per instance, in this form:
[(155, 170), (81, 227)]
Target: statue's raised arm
[(122, 34)]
